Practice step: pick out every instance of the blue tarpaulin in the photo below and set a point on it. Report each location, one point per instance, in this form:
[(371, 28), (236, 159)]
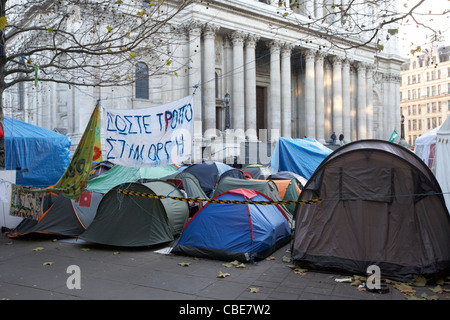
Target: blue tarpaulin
[(301, 156), (39, 155)]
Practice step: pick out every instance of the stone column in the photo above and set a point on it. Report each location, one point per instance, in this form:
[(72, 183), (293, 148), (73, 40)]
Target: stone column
[(237, 97), (337, 95), (195, 79), (369, 101), (346, 102), (310, 94), (328, 99), (286, 107), (320, 98), (250, 88), (209, 84), (361, 102), (180, 51), (274, 123)]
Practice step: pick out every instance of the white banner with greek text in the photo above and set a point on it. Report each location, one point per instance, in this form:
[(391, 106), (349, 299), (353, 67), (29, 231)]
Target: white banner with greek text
[(150, 137)]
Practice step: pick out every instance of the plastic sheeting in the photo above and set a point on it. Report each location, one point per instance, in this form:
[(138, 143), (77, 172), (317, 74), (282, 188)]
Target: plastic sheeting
[(39, 155), (440, 165), (301, 156)]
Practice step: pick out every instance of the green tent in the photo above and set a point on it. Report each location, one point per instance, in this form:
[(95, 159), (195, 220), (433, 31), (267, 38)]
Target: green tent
[(121, 174), (135, 221)]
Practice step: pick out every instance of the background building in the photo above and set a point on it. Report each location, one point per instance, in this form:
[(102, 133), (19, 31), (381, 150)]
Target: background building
[(425, 92), (283, 77)]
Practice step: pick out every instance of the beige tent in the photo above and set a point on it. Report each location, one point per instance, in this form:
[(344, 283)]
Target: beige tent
[(381, 206)]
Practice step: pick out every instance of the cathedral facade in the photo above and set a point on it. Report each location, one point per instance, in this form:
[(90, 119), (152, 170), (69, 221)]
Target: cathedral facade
[(258, 70)]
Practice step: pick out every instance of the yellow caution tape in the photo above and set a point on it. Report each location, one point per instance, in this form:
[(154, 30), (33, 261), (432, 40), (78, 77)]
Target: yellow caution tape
[(155, 196)]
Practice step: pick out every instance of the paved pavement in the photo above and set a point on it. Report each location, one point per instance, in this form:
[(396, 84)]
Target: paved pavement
[(40, 270)]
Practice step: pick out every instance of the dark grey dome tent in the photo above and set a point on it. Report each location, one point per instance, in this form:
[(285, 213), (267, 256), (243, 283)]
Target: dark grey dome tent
[(63, 217), (381, 206), (126, 220)]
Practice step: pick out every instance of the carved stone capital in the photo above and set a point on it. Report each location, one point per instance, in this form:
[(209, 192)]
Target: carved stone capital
[(274, 45), (310, 54), (251, 40), (210, 30), (237, 38)]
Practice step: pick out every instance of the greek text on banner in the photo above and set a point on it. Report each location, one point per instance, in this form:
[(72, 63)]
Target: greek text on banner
[(150, 137)]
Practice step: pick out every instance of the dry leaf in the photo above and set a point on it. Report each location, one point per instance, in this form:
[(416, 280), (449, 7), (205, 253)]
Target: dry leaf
[(220, 274), (286, 259), (184, 264), (85, 249), (116, 252), (38, 249), (241, 265), (270, 258), (356, 283), (437, 289), (254, 290), (228, 265), (48, 263), (420, 281), (427, 297), (405, 289)]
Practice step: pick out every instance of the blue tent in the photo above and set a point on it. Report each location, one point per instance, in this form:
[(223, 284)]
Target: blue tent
[(243, 232), (39, 155), (301, 156)]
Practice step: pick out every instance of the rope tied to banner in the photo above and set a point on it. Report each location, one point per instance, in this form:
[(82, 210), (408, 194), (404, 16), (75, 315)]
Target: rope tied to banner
[(200, 200)]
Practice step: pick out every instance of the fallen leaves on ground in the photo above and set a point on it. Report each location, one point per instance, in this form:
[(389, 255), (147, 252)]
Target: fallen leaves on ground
[(184, 264), (37, 249), (254, 290), (405, 288), (420, 281), (85, 249), (235, 264), (270, 258), (221, 274), (49, 263), (297, 269)]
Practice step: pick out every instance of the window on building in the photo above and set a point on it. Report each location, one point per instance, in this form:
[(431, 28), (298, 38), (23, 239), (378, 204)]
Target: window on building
[(409, 125), (420, 124), (418, 93), (433, 107), (439, 107), (428, 91), (428, 124), (433, 91), (142, 81), (448, 88), (448, 102)]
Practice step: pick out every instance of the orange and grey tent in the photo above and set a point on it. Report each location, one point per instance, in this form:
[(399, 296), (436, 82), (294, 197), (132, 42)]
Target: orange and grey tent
[(381, 205), (64, 217)]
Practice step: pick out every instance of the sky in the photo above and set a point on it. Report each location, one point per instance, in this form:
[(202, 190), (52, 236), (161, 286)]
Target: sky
[(430, 13)]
